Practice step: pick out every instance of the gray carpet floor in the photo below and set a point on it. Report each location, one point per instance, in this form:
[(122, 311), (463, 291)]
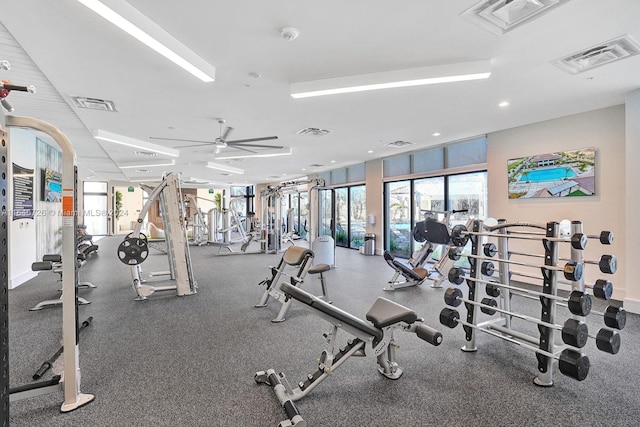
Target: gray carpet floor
[(190, 361)]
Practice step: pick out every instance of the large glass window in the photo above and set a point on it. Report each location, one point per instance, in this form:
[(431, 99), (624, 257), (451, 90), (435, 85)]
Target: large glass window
[(299, 210), (357, 214), (398, 218), (351, 212), (342, 216), (468, 191), (407, 202)]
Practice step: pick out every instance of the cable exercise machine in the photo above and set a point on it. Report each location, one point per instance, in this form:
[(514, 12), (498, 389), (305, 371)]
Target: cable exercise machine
[(134, 249), (69, 380), (231, 232), (199, 227)]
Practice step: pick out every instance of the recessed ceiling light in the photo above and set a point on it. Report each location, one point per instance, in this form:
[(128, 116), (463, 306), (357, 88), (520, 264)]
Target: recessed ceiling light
[(304, 169), (370, 151), (333, 161), (436, 134), (503, 104)]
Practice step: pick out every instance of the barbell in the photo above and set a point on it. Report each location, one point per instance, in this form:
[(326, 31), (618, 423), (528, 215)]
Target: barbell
[(573, 333), (570, 362), (578, 302), (460, 236), (571, 270), (607, 263), (602, 289)]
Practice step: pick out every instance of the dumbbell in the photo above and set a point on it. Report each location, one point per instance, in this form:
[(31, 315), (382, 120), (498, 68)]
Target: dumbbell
[(607, 263), (572, 270), (460, 236), (573, 333), (571, 362)]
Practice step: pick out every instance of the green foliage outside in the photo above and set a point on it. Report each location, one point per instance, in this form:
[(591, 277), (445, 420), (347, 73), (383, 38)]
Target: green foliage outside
[(118, 204)]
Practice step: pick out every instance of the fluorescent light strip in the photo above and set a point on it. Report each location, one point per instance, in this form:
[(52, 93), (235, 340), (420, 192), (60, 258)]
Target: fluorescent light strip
[(103, 135), (243, 156), (149, 165), (135, 31), (394, 79), (224, 168)]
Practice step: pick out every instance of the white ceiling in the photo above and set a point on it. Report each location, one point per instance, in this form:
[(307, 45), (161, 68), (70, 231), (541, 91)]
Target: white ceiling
[(81, 54)]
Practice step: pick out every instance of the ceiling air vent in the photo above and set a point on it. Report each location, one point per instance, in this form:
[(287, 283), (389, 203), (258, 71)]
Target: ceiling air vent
[(500, 16), (315, 165), (398, 144), (94, 103), (600, 54), (313, 131)]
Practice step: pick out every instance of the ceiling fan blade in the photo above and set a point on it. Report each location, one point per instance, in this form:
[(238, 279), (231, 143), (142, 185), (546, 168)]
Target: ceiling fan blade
[(183, 140), (226, 133), (239, 145), (264, 138)]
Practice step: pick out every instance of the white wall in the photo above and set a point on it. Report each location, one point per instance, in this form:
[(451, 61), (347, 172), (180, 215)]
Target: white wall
[(603, 129), (375, 201), (632, 199), (21, 232)]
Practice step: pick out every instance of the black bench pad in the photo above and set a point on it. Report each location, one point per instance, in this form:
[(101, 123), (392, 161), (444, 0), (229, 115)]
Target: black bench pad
[(404, 269), (320, 268), (385, 312), (331, 310)]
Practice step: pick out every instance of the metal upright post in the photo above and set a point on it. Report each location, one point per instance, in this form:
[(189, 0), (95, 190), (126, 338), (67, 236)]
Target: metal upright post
[(548, 314), (4, 279), (73, 398)]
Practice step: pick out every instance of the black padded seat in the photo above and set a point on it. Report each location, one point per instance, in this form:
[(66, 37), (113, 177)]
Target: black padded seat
[(436, 232), (404, 269), (294, 255), (385, 312), (331, 310), (320, 268)]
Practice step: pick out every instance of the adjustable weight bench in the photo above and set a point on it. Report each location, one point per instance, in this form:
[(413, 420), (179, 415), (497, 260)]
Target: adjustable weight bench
[(373, 338), (294, 256)]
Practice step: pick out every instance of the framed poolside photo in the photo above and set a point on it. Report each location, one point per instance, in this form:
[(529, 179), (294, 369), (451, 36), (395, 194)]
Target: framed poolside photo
[(559, 174)]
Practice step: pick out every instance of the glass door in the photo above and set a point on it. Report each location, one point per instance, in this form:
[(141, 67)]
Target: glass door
[(96, 215)]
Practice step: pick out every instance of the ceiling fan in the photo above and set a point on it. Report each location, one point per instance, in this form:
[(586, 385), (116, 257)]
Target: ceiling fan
[(222, 142)]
